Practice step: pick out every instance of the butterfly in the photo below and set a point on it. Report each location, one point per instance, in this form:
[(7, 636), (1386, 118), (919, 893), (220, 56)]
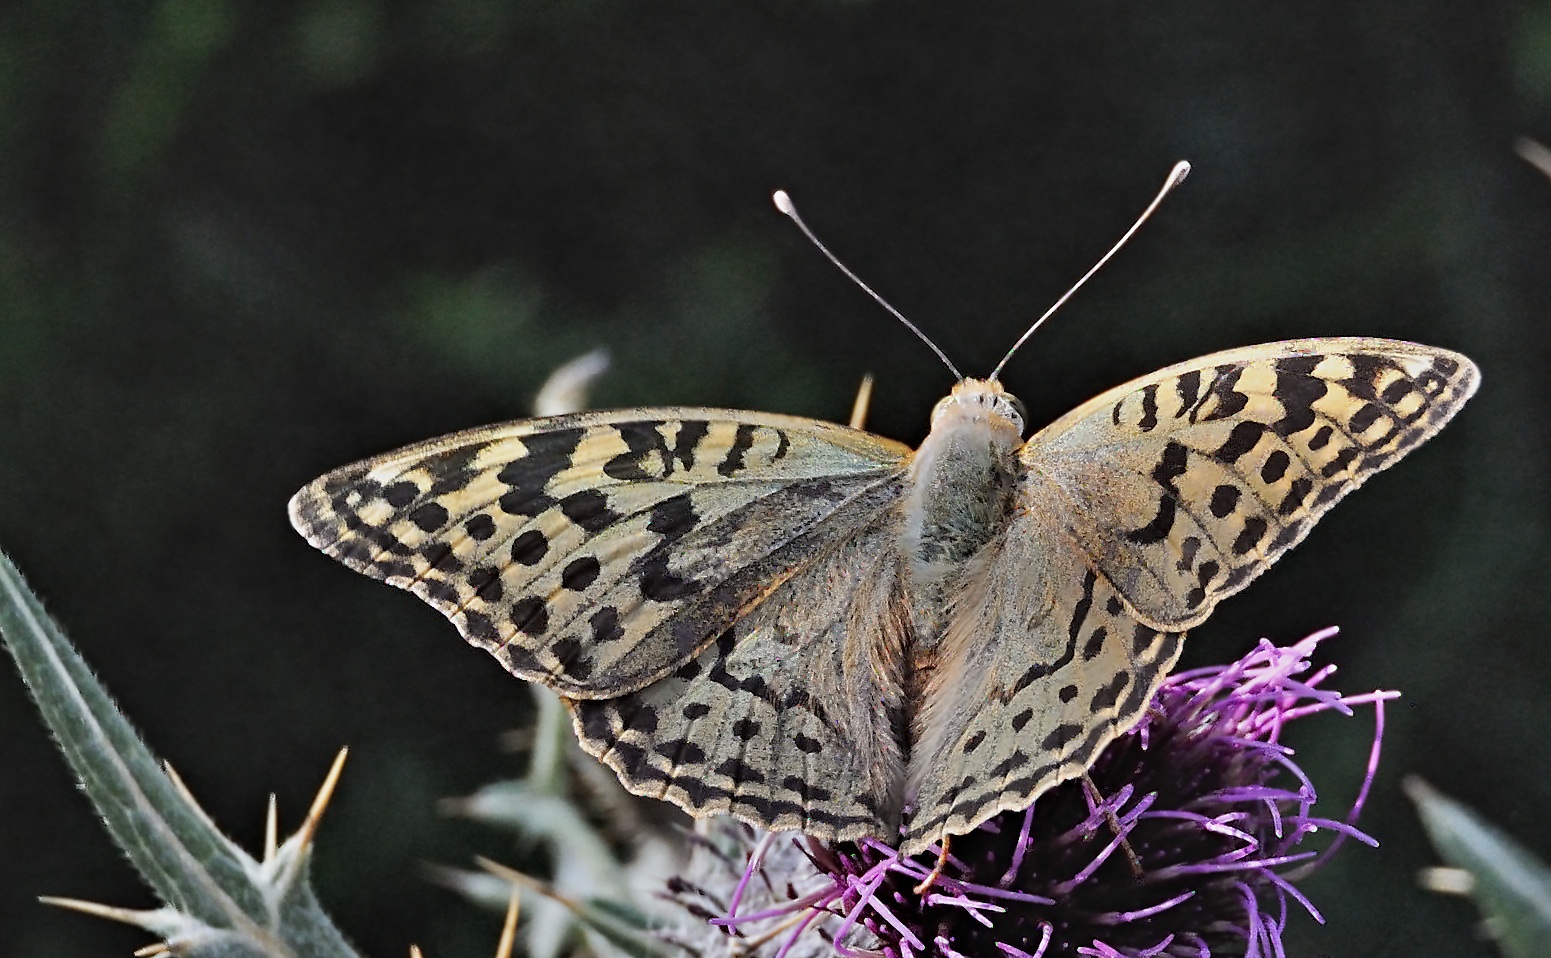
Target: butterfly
[(812, 628)]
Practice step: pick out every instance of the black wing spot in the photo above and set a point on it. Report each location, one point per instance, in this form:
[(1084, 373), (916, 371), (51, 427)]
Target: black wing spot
[(1249, 537), (1225, 498), (1297, 389), (681, 752), (1142, 639), (1188, 549), (1241, 439), (576, 664), (741, 772), (646, 456), (1224, 388), (809, 791), (548, 455), (589, 509), (1107, 696), (401, 493), (1364, 417), (525, 502), (1095, 643), (605, 625), (579, 574), (643, 718), (742, 442), (687, 440), (530, 615), (1396, 391), (660, 584), (1339, 462), (1366, 370), (429, 517), (439, 591), (477, 625), (1188, 386), (1149, 420), (486, 584), (1275, 467), (1061, 736), (530, 548), (673, 518), (1296, 494), (439, 557)]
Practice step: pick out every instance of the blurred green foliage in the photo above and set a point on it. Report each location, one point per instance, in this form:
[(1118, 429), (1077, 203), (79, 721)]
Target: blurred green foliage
[(243, 243)]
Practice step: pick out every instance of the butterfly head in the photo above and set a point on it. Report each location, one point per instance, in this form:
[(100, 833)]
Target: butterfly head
[(981, 401)]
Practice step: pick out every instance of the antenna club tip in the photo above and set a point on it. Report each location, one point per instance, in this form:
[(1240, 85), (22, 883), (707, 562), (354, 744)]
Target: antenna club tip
[(783, 202)]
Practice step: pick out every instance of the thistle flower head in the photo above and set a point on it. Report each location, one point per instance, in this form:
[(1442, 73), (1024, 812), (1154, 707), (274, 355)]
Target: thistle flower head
[(1185, 839)]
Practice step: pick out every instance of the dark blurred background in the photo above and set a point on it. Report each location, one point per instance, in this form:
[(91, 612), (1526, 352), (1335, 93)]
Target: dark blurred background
[(244, 243)]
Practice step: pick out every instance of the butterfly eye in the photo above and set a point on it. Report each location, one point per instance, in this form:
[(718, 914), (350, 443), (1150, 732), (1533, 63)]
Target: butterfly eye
[(1020, 410)]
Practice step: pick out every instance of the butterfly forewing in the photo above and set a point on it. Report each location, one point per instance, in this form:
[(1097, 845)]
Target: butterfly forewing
[(1185, 485), (600, 551)]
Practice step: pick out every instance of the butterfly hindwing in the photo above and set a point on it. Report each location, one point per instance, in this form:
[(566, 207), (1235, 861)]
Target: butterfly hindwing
[(594, 552)]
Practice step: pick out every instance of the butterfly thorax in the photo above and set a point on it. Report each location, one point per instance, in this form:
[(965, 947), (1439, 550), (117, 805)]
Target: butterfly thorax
[(960, 483)]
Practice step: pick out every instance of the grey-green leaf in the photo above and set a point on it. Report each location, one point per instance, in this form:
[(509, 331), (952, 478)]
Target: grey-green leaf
[(1510, 885)]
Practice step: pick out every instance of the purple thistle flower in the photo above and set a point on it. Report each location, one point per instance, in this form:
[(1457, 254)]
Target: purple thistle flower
[(1185, 842)]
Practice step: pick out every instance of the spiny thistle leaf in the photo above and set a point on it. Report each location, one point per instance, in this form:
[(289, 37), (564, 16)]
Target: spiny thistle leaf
[(221, 901), (1510, 885)]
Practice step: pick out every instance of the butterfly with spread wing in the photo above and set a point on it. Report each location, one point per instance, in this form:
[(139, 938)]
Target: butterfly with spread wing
[(811, 627)]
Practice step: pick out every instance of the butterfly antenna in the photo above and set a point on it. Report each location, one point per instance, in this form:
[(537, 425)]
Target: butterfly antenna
[(1176, 177), (784, 204)]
